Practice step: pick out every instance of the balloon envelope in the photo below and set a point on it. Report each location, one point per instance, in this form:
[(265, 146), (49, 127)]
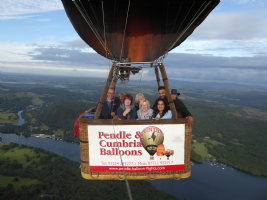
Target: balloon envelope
[(142, 30), (151, 138)]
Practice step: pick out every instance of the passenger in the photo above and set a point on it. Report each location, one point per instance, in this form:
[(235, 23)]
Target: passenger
[(138, 98), (179, 105), (121, 96), (127, 109), (145, 112), (161, 110), (110, 106), (175, 94)]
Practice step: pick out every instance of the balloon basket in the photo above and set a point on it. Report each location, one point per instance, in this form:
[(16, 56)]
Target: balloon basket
[(89, 124)]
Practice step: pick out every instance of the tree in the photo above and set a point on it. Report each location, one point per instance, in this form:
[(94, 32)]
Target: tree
[(16, 179)]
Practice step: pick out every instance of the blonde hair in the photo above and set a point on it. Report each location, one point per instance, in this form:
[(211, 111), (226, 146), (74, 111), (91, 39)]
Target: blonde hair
[(143, 101), (139, 94), (121, 94)]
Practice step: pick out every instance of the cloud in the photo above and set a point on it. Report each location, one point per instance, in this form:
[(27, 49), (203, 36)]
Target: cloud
[(43, 20), (21, 7), (76, 44), (249, 2), (14, 17), (179, 66), (244, 25)]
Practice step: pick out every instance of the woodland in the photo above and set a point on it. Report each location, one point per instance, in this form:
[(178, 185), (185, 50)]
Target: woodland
[(39, 174), (228, 124)]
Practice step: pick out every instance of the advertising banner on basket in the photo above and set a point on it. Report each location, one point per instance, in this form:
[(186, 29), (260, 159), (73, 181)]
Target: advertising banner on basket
[(140, 148)]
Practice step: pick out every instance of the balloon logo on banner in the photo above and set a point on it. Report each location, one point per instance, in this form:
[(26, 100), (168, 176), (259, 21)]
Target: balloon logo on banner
[(160, 150), (152, 137), (168, 153)]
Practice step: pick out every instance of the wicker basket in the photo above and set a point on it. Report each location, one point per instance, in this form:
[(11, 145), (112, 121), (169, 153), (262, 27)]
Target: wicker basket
[(84, 147)]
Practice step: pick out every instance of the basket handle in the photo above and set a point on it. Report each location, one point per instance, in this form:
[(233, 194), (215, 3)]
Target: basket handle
[(150, 178), (93, 177), (121, 179), (177, 179)]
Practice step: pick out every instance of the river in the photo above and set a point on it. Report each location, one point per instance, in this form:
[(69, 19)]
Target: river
[(21, 120), (208, 181)]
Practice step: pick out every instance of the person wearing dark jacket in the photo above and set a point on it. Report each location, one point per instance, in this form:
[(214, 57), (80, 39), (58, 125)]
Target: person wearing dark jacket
[(179, 105), (127, 109), (110, 106)]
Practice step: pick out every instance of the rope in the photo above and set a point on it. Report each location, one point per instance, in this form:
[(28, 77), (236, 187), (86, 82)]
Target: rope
[(125, 29), (139, 83), (180, 24), (93, 28), (126, 180), (167, 16), (188, 26), (90, 24), (125, 88), (94, 15), (105, 33)]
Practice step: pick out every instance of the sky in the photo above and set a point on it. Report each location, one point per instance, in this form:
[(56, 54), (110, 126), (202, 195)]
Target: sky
[(230, 46)]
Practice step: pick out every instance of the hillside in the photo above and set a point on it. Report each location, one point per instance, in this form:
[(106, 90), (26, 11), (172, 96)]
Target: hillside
[(229, 126), (33, 173), (232, 134)]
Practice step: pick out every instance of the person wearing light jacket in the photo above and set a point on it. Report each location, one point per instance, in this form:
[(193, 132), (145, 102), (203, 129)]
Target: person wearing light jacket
[(145, 112), (161, 110)]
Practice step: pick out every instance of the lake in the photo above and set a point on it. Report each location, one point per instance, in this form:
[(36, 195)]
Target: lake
[(209, 180)]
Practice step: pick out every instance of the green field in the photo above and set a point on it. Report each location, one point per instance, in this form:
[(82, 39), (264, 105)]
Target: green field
[(44, 127), (37, 101), (33, 120), (214, 142), (7, 117), (200, 149), (20, 155), (5, 180), (60, 131)]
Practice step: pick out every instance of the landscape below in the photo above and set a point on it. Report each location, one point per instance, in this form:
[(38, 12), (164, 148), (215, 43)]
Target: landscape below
[(230, 125), (32, 173)]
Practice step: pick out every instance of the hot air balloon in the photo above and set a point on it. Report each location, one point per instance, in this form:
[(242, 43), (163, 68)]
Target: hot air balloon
[(151, 138), (135, 34), (160, 150), (168, 153)]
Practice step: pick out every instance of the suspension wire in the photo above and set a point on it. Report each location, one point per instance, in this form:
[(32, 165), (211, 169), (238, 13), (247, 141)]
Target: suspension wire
[(114, 15), (191, 22), (160, 59), (105, 33), (125, 29), (167, 16), (125, 87), (94, 29), (95, 15), (139, 83), (180, 24), (90, 24), (177, 17), (125, 175)]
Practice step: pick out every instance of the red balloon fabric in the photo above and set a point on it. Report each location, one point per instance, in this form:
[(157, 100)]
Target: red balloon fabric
[(76, 129)]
